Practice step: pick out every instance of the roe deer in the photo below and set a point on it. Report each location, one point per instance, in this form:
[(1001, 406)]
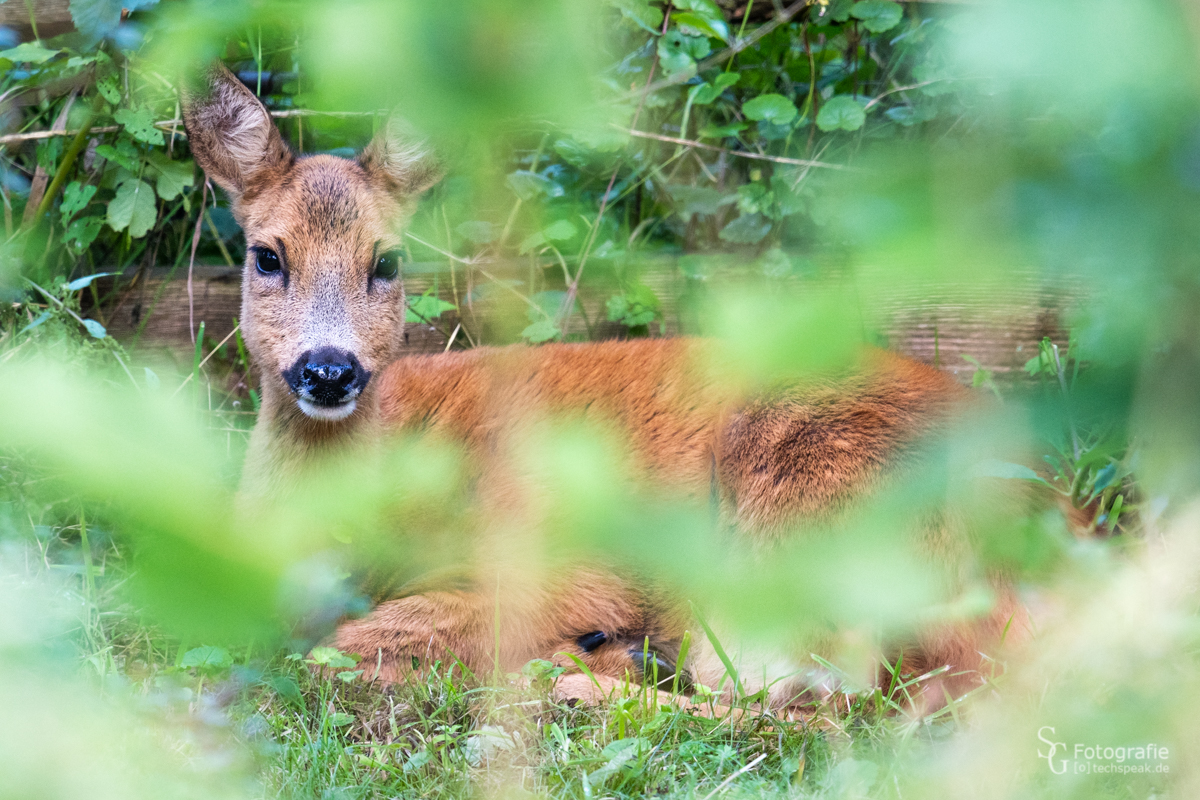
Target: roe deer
[(322, 316)]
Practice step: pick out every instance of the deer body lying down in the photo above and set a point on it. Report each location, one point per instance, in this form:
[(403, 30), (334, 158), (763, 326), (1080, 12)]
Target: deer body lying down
[(322, 317)]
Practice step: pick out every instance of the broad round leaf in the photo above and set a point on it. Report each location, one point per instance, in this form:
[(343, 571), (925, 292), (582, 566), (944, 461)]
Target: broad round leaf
[(842, 112), (773, 108), (877, 16)]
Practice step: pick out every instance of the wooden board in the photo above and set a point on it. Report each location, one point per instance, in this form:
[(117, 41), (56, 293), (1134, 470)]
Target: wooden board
[(997, 322)]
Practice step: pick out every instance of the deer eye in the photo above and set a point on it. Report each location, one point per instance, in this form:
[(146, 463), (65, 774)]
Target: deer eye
[(387, 266), (266, 260)]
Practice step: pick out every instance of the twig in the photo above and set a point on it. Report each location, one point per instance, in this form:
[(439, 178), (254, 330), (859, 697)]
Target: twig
[(903, 89), (175, 126), (737, 774), (738, 153), (192, 263)]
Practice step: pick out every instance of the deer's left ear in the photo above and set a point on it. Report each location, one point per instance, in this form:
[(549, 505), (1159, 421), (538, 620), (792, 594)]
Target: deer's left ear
[(403, 162)]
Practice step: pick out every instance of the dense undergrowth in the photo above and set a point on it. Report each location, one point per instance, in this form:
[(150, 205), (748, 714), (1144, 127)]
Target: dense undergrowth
[(786, 162)]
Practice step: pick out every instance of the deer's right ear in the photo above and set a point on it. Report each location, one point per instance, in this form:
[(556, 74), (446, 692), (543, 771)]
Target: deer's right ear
[(231, 133)]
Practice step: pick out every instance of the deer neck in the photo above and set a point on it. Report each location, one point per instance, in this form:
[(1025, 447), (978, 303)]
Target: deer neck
[(285, 443)]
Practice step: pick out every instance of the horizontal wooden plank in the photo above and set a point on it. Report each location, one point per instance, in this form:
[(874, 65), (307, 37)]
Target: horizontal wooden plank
[(998, 322)]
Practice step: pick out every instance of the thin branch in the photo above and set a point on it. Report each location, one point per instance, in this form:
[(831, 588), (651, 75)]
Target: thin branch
[(175, 126), (738, 153), (903, 89)]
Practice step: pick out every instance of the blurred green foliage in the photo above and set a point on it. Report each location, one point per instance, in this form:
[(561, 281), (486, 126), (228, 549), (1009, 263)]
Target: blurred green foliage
[(791, 172)]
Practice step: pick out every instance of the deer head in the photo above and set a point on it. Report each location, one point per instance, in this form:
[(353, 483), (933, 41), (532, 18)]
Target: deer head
[(322, 294)]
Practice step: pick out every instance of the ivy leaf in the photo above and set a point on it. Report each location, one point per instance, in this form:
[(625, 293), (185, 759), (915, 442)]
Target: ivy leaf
[(541, 331), (716, 28), (677, 52), (746, 229), (640, 12), (842, 112), (96, 19), (29, 53), (75, 199), (133, 208), (173, 176), (140, 124), (109, 90), (703, 94), (837, 11), (773, 108), (82, 232), (426, 308), (207, 659), (877, 16), (124, 154)]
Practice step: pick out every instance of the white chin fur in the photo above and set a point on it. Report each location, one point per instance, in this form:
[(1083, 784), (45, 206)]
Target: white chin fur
[(328, 413)]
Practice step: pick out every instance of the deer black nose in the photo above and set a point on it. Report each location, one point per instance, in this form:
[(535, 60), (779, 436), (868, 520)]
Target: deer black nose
[(327, 376), (330, 375)]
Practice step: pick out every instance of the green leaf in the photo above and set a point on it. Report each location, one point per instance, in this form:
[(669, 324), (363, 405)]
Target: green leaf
[(716, 28), (85, 281), (38, 320), (96, 19), (133, 208), (836, 11), (877, 16), (332, 657), (677, 52), (349, 676), (29, 53), (641, 13), (559, 231), (140, 124), (123, 154), (340, 719), (713, 131), (746, 229), (841, 112), (705, 8), (173, 176), (541, 331), (109, 89), (75, 199), (529, 185), (82, 232), (426, 308), (704, 93), (95, 328), (773, 108), (205, 659)]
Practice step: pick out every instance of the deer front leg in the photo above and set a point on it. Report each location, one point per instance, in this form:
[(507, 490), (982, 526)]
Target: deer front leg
[(606, 623)]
